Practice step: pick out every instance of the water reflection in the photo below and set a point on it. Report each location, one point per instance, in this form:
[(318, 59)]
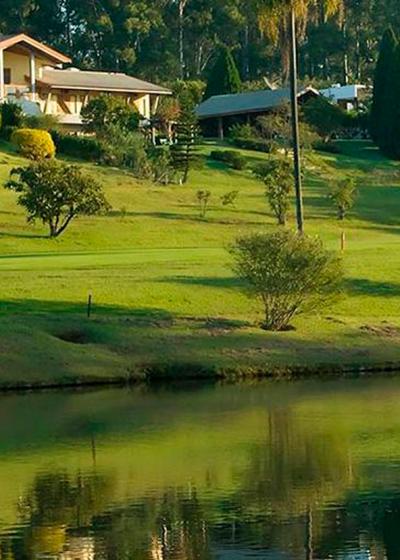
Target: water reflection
[(261, 471)]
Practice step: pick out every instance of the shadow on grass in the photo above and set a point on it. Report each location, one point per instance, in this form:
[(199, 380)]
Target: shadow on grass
[(362, 154), (375, 204), (65, 308), (363, 286), (193, 218), (23, 235), (206, 281)]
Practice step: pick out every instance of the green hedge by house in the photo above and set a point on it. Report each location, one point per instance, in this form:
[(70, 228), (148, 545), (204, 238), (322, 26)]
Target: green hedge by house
[(256, 144), (83, 147), (231, 158)]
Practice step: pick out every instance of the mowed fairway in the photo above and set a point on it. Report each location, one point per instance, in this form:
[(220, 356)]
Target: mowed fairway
[(164, 296)]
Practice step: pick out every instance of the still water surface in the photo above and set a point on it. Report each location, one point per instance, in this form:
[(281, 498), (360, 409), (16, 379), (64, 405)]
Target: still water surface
[(255, 471)]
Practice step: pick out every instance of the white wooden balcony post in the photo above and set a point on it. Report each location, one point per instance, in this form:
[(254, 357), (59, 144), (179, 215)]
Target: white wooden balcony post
[(32, 74), (2, 92)]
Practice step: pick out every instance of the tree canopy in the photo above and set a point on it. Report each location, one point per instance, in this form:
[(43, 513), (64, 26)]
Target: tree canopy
[(339, 39)]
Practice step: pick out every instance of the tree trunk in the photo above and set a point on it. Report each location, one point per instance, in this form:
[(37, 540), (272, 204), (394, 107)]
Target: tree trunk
[(245, 54), (295, 124), (181, 6)]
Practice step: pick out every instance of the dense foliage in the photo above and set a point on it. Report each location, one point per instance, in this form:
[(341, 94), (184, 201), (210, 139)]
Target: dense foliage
[(107, 110), (167, 39), (230, 157), (224, 76), (289, 273), (34, 143), (385, 114), (277, 175), (83, 147), (343, 195), (56, 193), (183, 150)]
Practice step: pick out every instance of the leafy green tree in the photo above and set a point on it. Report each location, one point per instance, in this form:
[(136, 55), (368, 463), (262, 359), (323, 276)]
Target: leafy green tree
[(277, 174), (186, 134), (325, 117), (109, 109), (224, 76), (11, 115), (124, 148), (289, 273), (56, 193), (383, 84), (343, 195), (188, 89)]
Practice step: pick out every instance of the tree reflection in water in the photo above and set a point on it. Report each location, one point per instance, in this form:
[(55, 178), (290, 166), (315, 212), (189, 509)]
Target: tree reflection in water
[(296, 496)]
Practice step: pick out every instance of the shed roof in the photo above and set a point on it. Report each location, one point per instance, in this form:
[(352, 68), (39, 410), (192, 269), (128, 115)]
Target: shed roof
[(249, 102), (343, 93), (97, 81)]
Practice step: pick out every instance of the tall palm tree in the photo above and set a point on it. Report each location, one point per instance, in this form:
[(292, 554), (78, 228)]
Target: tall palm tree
[(283, 22)]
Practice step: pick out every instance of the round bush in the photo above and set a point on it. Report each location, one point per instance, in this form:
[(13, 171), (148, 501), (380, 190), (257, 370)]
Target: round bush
[(288, 273), (33, 143)]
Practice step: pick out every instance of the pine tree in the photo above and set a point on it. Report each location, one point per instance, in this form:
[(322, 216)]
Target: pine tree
[(389, 138), (183, 151), (383, 86), (224, 76)]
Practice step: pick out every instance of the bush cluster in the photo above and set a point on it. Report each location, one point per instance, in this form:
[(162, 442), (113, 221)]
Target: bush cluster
[(288, 273), (33, 143), (230, 157), (83, 147), (256, 144)]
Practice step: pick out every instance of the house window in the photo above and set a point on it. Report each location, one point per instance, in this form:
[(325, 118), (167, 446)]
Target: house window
[(7, 75)]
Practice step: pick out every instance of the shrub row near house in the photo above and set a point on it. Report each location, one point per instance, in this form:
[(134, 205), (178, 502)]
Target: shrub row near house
[(256, 144), (231, 158), (82, 147)]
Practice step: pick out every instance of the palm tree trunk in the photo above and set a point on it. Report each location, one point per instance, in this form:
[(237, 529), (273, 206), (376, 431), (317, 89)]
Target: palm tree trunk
[(295, 123)]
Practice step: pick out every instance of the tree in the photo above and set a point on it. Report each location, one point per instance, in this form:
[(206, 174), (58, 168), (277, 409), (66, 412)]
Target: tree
[(56, 193), (224, 76), (276, 127), (325, 117), (186, 134), (277, 175), (343, 196), (109, 109), (383, 83), (289, 273)]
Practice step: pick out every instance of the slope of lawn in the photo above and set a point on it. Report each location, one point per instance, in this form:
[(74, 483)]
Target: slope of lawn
[(164, 295)]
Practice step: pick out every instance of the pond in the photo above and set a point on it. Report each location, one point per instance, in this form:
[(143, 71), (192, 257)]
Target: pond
[(263, 470)]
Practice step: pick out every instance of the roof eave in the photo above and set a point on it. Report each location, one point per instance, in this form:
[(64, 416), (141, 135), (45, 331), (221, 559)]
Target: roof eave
[(48, 51), (94, 88)]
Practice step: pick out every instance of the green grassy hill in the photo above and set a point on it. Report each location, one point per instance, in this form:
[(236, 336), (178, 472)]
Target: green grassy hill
[(164, 295)]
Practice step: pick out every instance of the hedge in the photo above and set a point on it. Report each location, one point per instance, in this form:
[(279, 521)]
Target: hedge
[(256, 144), (83, 147), (233, 159)]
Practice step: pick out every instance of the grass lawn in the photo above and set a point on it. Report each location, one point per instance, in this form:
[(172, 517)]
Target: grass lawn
[(164, 295)]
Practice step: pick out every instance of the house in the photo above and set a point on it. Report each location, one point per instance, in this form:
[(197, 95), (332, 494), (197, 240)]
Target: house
[(348, 97), (33, 73), (219, 112)]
